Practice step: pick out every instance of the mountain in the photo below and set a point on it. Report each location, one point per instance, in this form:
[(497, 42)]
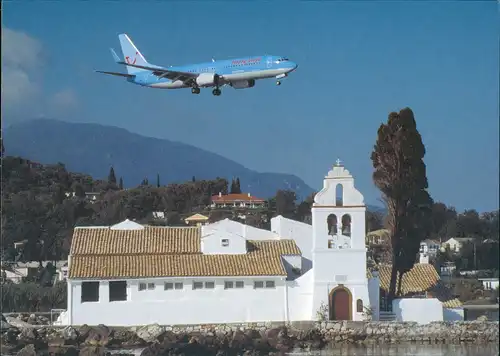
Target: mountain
[(94, 148)]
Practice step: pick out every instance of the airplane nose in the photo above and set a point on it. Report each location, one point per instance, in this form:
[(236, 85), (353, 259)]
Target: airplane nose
[(293, 66)]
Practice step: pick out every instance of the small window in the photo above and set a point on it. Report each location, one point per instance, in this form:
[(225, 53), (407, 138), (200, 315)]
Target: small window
[(209, 285), (142, 286), (359, 306), (197, 285), (228, 285), (330, 243), (151, 286), (90, 292), (168, 286), (117, 291), (258, 284), (270, 284), (225, 242), (239, 284), (178, 285)]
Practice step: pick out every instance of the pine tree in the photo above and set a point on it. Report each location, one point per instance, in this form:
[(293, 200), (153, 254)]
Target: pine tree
[(400, 174), (111, 176), (121, 183), (158, 180)]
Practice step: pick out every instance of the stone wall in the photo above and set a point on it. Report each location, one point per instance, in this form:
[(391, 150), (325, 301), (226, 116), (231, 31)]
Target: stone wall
[(263, 337)]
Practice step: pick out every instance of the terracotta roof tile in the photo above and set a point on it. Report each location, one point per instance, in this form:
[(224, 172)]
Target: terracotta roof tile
[(150, 240), (196, 217), (423, 277), (236, 197), (167, 251)]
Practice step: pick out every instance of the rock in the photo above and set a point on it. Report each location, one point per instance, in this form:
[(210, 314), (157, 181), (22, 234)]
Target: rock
[(4, 325), (150, 333), (125, 338), (97, 336), (28, 350), (18, 322), (28, 335), (69, 333), (92, 351)]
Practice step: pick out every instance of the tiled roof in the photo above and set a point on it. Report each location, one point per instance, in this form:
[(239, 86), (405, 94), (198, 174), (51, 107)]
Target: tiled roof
[(150, 240), (423, 277), (167, 251), (196, 217), (236, 197)]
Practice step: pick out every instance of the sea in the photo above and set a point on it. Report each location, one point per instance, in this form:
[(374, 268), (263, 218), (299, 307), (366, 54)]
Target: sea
[(490, 349)]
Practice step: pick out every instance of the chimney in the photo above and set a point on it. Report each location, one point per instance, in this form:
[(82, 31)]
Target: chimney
[(220, 194)]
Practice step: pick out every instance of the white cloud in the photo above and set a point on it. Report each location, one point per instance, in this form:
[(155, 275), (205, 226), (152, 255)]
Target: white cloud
[(22, 66), (63, 102)]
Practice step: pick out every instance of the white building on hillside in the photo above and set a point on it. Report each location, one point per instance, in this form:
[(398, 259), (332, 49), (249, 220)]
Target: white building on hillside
[(227, 272)]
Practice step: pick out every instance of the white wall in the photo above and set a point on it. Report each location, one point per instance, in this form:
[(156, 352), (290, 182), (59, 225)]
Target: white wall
[(453, 314), (295, 230), (340, 265), (374, 296), (185, 306), (420, 310), (248, 232), (211, 244), (300, 295)]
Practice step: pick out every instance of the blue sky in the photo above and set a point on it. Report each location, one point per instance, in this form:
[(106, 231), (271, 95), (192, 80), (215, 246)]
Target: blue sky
[(357, 62)]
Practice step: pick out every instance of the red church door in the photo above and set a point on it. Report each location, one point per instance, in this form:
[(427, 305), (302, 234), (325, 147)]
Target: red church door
[(340, 305)]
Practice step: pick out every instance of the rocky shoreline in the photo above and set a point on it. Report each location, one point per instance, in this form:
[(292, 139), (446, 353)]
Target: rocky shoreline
[(26, 339)]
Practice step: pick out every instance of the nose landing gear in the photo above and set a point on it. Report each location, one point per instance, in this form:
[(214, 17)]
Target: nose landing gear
[(278, 82)]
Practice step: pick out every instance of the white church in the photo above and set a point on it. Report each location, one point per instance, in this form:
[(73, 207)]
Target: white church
[(227, 272)]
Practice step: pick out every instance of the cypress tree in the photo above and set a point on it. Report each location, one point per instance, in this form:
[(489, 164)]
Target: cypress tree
[(237, 186), (121, 183), (111, 176), (400, 174)]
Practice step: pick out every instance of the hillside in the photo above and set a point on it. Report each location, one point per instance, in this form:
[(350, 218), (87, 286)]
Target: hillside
[(93, 149)]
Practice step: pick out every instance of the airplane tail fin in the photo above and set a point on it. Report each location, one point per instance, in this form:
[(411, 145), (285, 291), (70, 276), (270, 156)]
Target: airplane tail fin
[(131, 54)]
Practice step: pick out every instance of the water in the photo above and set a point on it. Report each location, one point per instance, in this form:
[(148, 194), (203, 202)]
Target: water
[(490, 349)]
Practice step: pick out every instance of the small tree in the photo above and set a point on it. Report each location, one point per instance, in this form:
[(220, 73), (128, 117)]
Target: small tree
[(158, 180)]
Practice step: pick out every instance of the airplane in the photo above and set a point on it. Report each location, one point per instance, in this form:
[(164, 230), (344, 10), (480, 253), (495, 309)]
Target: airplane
[(238, 73)]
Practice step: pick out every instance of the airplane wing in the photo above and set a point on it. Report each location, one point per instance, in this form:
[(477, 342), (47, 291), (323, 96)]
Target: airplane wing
[(115, 73), (166, 73)]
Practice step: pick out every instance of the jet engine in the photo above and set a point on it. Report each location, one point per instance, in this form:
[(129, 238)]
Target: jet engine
[(207, 80), (242, 84)]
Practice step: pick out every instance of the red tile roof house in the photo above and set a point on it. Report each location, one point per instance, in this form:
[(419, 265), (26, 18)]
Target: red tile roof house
[(236, 201)]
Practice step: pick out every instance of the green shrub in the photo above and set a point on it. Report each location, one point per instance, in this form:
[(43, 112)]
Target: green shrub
[(31, 297)]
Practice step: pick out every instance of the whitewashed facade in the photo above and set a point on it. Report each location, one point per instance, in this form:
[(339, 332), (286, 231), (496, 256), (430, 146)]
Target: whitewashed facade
[(312, 269)]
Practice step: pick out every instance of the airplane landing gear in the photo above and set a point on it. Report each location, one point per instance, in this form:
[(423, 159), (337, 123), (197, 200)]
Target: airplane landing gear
[(278, 82), (195, 90), (216, 92)]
